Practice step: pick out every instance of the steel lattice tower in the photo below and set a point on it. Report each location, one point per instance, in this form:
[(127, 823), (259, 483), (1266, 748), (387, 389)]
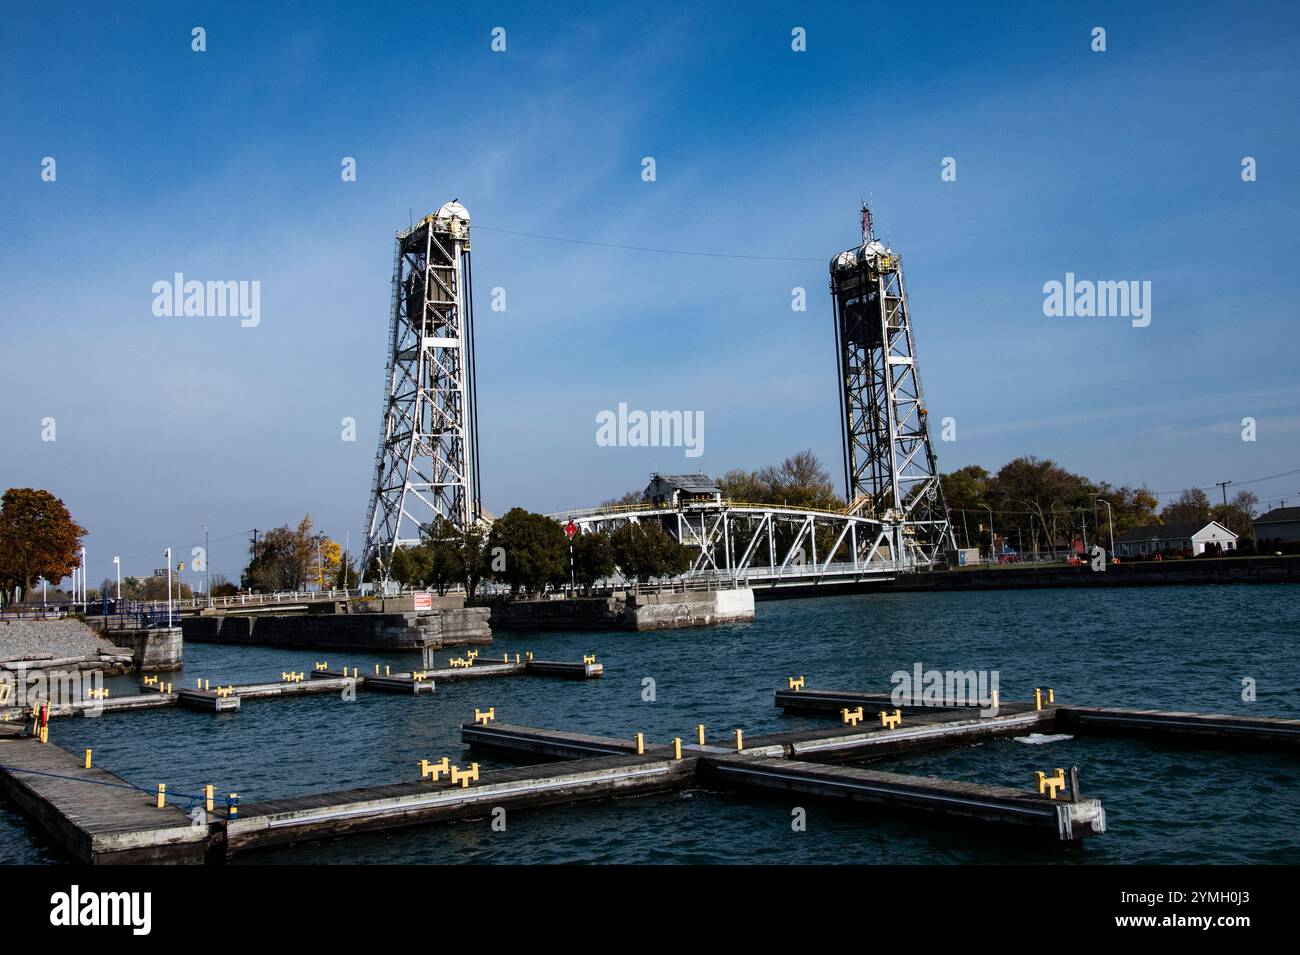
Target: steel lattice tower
[(427, 463), (890, 468)]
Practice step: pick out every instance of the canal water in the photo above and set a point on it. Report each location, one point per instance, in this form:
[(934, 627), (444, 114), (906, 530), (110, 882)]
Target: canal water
[(1186, 648)]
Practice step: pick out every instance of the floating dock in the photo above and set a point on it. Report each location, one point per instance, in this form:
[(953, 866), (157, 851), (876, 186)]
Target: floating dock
[(1252, 732), (767, 764), (93, 815), (280, 821), (97, 817), (1202, 729), (471, 668), (920, 797)]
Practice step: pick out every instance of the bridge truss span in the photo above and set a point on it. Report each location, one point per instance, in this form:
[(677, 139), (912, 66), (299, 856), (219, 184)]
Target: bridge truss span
[(765, 545)]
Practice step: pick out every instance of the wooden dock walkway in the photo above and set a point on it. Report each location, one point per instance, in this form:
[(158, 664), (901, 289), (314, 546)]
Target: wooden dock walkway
[(326, 815), (525, 741), (479, 668), (116, 822), (93, 815), (915, 796), (1203, 729), (1213, 729)]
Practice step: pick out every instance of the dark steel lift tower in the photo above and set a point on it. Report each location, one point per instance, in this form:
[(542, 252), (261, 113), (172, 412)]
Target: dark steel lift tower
[(890, 468)]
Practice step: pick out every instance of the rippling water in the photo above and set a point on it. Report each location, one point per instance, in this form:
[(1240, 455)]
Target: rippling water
[(1172, 648)]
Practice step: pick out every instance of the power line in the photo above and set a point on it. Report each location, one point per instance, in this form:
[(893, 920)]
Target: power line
[(1260, 480), (156, 552)]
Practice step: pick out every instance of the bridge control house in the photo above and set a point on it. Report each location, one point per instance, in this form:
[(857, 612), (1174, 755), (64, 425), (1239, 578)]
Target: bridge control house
[(1194, 537), (675, 490)]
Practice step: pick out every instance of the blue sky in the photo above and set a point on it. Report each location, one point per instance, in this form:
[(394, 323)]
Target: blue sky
[(225, 165)]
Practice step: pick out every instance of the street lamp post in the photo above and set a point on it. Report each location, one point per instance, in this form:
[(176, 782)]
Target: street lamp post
[(83, 580), (207, 575), (992, 555), (117, 564), (168, 554), (1110, 522)]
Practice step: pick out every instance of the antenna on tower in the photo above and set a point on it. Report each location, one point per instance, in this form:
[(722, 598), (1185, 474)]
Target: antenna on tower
[(868, 224)]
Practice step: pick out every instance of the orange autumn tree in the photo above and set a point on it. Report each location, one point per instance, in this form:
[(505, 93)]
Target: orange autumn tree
[(38, 538)]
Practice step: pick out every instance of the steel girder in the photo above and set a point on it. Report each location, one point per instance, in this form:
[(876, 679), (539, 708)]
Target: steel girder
[(730, 538)]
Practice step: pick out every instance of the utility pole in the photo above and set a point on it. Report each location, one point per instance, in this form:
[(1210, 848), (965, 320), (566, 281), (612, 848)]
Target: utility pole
[(1223, 486)]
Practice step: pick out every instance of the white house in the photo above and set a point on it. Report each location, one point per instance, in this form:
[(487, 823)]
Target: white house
[(1193, 536)]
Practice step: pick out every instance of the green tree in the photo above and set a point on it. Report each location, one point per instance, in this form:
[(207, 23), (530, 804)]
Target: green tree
[(346, 573), (743, 486), (472, 557), (286, 558), (411, 566), (1238, 515), (965, 488), (536, 550), (1053, 501), (798, 481), (1191, 506), (1130, 507), (644, 551), (593, 558), (442, 562), (38, 539)]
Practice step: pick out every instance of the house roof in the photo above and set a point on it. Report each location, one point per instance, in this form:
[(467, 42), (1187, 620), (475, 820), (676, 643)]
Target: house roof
[(1279, 515), (690, 483), (1164, 532)]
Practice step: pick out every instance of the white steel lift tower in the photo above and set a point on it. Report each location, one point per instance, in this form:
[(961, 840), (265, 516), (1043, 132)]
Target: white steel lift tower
[(427, 463)]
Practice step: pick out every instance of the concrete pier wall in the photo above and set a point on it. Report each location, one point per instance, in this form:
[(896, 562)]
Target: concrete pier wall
[(646, 611), (1230, 570), (580, 613), (158, 649), (695, 609), (409, 630)]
